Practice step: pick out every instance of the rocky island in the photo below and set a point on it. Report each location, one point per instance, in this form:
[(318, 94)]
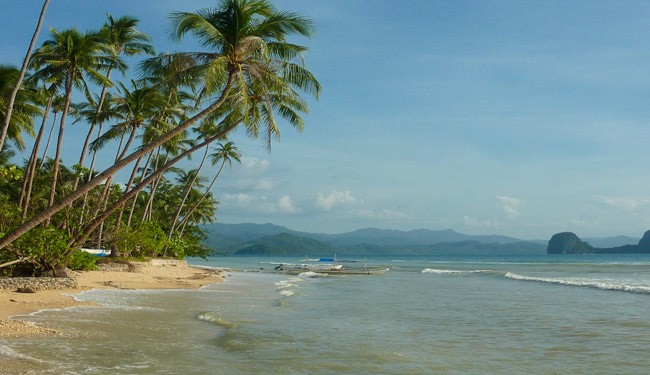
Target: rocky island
[(570, 243)]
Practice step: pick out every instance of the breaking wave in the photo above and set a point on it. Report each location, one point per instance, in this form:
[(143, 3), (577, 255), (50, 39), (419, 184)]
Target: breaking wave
[(312, 274), (449, 272), (210, 317), (583, 282)]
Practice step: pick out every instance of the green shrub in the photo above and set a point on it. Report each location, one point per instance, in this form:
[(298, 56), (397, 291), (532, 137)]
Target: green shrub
[(46, 248), (82, 261)]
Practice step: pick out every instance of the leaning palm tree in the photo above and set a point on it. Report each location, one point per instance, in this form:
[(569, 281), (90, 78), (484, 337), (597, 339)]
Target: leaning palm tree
[(30, 170), (137, 107), (56, 104), (25, 107), (75, 57), (248, 46), (10, 103), (122, 38), (195, 180), (225, 153)]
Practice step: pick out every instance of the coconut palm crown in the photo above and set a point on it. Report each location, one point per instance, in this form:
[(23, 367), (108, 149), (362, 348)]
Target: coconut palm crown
[(247, 40)]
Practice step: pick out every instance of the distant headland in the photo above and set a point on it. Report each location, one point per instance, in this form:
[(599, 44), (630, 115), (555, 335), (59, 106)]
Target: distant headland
[(569, 243)]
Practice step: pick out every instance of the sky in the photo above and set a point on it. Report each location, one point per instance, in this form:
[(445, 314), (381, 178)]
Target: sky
[(518, 118)]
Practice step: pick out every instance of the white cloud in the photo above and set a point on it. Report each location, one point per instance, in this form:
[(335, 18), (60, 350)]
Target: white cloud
[(625, 203), (335, 198), (254, 165), (262, 204), (239, 198), (264, 184), (286, 205), (510, 205)]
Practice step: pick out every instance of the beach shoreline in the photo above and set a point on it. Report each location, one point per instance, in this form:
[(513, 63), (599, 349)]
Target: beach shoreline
[(155, 274)]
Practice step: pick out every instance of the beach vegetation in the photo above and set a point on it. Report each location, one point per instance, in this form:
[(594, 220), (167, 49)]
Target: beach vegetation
[(82, 261), (168, 108)]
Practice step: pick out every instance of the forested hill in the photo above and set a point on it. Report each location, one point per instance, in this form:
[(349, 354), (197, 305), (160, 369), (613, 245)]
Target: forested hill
[(269, 239), (570, 243)]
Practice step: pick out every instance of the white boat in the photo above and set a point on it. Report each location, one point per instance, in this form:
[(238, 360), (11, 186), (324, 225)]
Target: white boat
[(98, 252), (330, 269)]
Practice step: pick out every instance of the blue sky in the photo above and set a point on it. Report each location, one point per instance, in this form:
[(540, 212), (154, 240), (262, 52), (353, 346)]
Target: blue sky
[(520, 118)]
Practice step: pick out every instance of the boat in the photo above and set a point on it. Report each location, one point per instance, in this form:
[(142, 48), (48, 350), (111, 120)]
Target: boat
[(330, 269), (97, 252)]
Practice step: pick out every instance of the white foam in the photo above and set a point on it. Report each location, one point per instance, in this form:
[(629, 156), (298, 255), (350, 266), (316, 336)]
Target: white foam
[(312, 274), (6, 351), (209, 317), (584, 282), (449, 272), (287, 293), (284, 284)]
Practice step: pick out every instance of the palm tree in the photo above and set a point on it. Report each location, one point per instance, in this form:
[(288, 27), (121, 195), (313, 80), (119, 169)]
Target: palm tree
[(21, 76), (194, 180), (122, 38), (138, 108), (225, 153), (75, 57), (248, 46), (203, 209), (186, 192), (56, 106), (30, 170), (26, 105)]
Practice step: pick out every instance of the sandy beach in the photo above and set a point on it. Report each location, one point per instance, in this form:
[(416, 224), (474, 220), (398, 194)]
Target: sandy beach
[(155, 274)]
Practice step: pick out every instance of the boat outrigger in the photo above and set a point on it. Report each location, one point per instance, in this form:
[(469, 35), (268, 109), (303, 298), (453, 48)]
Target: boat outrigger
[(330, 268)]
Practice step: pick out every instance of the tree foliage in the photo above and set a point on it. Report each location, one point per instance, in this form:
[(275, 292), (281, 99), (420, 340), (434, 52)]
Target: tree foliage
[(248, 74)]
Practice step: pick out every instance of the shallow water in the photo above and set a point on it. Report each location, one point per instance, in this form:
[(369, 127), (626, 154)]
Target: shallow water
[(537, 315)]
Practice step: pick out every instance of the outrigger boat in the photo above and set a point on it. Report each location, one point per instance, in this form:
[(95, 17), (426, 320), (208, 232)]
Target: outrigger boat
[(330, 269)]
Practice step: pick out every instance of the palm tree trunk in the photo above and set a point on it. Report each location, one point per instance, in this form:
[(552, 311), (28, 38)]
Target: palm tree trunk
[(49, 139), (148, 210), (118, 221), (28, 178), (185, 220), (92, 160), (186, 193), (128, 144), (93, 224), (135, 199), (70, 198), (84, 150), (90, 175), (103, 201), (59, 143), (21, 76)]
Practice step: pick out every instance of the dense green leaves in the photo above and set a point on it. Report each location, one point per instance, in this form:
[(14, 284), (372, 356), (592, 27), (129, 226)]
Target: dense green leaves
[(182, 102)]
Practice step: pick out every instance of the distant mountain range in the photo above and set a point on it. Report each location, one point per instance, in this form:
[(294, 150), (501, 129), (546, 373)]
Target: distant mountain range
[(269, 239)]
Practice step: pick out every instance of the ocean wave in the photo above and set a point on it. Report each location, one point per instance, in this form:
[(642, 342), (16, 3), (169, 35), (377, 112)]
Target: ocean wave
[(589, 283), (449, 272), (210, 317), (284, 284), (287, 293), (312, 274), (6, 351)]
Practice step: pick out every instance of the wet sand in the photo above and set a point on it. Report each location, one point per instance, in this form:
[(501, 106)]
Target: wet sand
[(155, 274)]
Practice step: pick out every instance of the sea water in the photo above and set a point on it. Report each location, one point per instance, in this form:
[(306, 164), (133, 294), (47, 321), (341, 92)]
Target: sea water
[(478, 315)]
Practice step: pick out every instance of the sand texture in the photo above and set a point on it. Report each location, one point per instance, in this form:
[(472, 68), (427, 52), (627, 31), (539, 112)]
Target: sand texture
[(155, 274)]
